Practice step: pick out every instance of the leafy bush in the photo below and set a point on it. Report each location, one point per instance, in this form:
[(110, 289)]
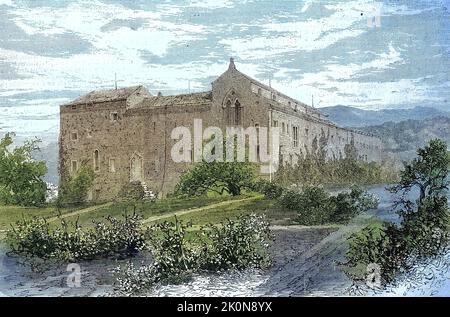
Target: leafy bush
[(423, 232), (35, 238), (218, 177), (270, 189), (312, 204), (20, 176), (426, 231), (379, 244), (237, 244), (348, 205), (315, 206), (75, 190), (133, 191)]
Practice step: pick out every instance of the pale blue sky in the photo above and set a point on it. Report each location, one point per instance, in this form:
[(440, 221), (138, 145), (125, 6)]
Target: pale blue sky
[(54, 51)]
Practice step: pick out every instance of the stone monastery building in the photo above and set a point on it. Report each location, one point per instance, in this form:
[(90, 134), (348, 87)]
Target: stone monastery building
[(125, 134)]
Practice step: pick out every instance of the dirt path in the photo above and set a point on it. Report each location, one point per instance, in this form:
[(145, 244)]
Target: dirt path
[(79, 212), (314, 270), (188, 211)]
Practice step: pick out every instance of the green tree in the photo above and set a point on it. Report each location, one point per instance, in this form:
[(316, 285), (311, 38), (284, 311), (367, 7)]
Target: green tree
[(20, 176), (219, 177), (428, 172), (75, 190)]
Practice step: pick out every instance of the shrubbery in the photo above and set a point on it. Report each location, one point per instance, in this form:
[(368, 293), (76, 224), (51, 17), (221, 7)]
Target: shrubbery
[(219, 177), (424, 230), (75, 190), (270, 189), (36, 238), (235, 244), (132, 192), (315, 206), (21, 180), (378, 244), (422, 233)]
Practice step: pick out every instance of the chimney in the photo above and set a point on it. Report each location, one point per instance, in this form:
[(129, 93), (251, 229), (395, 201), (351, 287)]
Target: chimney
[(231, 66)]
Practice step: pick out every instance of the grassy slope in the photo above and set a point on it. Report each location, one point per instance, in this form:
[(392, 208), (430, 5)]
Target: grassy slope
[(10, 214)]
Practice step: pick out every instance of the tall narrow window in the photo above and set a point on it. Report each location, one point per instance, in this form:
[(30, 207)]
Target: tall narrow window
[(295, 135), (238, 114), (112, 165), (96, 163), (74, 167), (228, 112)]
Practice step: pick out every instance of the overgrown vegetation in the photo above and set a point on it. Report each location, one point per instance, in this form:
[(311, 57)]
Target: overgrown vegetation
[(314, 168), (21, 180), (68, 242), (424, 229), (315, 206), (234, 244), (74, 191), (219, 177)]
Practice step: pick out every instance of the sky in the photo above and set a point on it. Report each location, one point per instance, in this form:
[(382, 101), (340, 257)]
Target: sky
[(54, 51)]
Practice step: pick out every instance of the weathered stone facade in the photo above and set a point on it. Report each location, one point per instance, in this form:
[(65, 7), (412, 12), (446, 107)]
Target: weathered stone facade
[(125, 134)]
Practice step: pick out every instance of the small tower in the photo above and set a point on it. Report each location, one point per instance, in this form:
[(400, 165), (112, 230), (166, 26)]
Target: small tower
[(232, 66)]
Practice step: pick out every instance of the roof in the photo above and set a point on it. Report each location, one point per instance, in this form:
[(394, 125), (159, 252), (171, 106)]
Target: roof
[(232, 67), (176, 100), (98, 96), (280, 93)]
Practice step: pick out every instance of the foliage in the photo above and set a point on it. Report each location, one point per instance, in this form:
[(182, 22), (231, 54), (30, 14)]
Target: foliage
[(315, 206), (236, 244), (270, 189), (425, 225), (20, 176), (426, 231), (174, 257), (313, 169), (378, 244), (36, 238), (428, 171), (312, 204), (75, 190), (132, 192), (219, 177)]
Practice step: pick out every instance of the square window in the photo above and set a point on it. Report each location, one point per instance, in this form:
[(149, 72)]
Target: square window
[(74, 136), (114, 116)]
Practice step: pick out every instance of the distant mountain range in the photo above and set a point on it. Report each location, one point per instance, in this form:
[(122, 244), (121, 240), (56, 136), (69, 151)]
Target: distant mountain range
[(354, 117), (405, 137)]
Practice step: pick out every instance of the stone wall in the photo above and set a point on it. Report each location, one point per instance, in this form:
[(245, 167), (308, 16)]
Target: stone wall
[(129, 139)]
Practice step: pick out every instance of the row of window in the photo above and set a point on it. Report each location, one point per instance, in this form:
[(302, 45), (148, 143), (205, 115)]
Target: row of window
[(295, 132), (96, 155)]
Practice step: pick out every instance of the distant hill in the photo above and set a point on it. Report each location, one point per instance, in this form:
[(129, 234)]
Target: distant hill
[(403, 138), (354, 117)]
